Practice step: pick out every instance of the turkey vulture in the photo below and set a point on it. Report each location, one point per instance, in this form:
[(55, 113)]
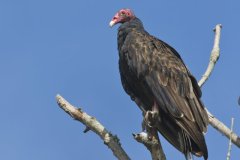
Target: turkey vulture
[(156, 78)]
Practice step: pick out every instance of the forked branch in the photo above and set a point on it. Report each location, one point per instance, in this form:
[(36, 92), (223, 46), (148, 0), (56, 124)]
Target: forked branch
[(218, 125)]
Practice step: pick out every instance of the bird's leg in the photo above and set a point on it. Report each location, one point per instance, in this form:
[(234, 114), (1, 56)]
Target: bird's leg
[(151, 117), (143, 122)]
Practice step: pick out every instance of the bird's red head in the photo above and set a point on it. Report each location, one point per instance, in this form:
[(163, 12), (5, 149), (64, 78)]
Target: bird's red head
[(122, 16)]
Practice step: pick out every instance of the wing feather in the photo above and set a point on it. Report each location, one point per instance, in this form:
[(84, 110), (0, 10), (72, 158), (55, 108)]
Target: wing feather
[(166, 76)]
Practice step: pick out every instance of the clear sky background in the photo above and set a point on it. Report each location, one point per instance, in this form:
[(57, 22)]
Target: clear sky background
[(66, 46)]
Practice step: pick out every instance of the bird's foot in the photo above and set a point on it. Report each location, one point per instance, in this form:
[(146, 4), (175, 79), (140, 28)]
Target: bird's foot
[(150, 119)]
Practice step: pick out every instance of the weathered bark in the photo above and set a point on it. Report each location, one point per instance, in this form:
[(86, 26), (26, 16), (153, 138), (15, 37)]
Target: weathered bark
[(91, 123)]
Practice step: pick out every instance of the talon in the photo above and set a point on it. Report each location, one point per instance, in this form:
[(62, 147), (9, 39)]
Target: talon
[(150, 118)]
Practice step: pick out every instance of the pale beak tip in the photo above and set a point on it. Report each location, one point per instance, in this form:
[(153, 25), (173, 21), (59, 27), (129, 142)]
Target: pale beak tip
[(111, 23)]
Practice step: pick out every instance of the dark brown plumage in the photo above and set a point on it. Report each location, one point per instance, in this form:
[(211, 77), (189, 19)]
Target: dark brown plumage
[(153, 73)]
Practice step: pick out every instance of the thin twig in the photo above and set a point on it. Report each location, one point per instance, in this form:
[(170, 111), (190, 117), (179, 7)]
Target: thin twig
[(230, 141), (91, 123)]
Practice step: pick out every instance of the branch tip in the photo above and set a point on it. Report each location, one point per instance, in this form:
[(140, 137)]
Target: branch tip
[(58, 96), (92, 124), (217, 26)]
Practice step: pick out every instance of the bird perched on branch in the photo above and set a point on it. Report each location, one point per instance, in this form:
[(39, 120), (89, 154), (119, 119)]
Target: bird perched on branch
[(156, 78)]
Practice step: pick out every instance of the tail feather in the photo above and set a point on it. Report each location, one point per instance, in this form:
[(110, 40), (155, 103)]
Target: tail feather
[(188, 142), (188, 156)]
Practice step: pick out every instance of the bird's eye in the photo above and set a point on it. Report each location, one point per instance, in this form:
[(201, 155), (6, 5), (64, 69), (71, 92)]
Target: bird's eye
[(123, 13)]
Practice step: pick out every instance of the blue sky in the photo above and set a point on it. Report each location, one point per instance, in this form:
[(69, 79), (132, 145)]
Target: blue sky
[(57, 46)]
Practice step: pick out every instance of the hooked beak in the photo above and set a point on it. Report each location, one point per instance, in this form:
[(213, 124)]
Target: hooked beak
[(114, 20), (112, 23)]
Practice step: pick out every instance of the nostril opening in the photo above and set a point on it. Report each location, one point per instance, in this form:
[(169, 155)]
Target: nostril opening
[(114, 18)]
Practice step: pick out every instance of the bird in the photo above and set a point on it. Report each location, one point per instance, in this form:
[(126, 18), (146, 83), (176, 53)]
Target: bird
[(155, 77)]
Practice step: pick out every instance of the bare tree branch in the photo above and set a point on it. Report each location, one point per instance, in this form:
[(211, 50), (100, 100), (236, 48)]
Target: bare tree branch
[(91, 123), (218, 125), (214, 55), (222, 128), (151, 143), (230, 141)]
